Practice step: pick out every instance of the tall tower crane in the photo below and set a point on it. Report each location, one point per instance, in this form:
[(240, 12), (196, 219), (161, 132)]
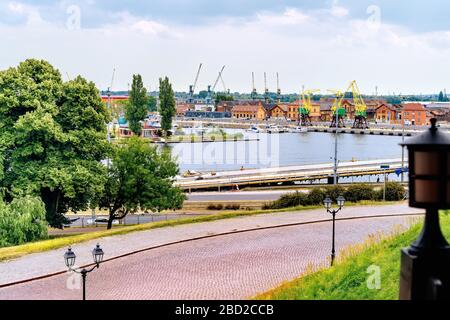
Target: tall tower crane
[(212, 90), (360, 107), (266, 90), (225, 89), (217, 79), (305, 107), (278, 89), (192, 87), (254, 92), (337, 108)]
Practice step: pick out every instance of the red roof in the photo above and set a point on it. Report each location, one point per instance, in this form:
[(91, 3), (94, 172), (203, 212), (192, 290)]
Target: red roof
[(245, 108), (413, 107)]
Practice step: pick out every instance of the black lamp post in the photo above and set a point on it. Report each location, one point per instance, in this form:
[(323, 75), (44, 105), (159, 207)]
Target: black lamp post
[(327, 203), (425, 265), (69, 257)]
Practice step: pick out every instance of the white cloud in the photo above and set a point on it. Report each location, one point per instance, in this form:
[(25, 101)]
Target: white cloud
[(290, 16), (31, 13), (315, 48)]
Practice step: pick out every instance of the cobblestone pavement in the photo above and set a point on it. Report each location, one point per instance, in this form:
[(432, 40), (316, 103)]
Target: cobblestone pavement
[(49, 262), (234, 266)]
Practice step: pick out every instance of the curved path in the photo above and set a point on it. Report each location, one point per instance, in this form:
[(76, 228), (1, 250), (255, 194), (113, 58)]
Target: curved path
[(233, 266)]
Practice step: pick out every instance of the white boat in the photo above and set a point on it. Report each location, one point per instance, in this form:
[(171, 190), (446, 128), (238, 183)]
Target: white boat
[(273, 129), (254, 129), (299, 129)]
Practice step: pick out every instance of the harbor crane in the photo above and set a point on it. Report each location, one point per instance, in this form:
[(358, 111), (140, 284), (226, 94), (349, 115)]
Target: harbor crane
[(278, 89), (217, 79), (337, 108), (192, 87), (360, 107), (254, 93), (266, 90), (225, 89), (305, 107), (212, 90)]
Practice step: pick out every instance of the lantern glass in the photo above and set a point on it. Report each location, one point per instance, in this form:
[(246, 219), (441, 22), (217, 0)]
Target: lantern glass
[(427, 163), (426, 191), (97, 254), (340, 201), (69, 258), (327, 203)]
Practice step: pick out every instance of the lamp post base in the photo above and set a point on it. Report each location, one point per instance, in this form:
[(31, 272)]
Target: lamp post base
[(425, 276)]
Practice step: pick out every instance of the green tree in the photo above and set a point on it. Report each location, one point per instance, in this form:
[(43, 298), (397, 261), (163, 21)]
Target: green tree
[(167, 104), (223, 97), (136, 109), (52, 138), (441, 96), (21, 221), (140, 178), (151, 104)]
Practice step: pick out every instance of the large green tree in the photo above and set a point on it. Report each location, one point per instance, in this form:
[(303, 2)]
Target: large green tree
[(52, 138), (167, 108), (136, 108), (140, 178), (152, 104)]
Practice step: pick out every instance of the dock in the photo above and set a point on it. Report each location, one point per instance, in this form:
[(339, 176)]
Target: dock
[(285, 175)]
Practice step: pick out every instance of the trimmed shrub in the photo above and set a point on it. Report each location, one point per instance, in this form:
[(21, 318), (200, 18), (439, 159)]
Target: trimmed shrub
[(232, 207), (287, 200), (358, 192), (21, 221), (394, 192), (353, 193), (215, 207), (333, 192), (315, 196)]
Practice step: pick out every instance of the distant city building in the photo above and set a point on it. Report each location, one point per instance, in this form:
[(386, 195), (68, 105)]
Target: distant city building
[(206, 114)]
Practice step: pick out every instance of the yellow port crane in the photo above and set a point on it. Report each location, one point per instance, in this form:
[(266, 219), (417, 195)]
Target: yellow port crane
[(306, 107), (337, 105), (360, 106)]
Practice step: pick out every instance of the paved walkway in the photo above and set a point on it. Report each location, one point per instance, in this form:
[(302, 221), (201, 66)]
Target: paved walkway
[(227, 267)]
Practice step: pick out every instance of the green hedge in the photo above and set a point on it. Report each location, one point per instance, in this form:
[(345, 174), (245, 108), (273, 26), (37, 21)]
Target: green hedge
[(352, 193), (21, 221)]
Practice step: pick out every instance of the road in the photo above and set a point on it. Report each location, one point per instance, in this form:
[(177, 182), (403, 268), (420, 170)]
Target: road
[(269, 195), (232, 266)]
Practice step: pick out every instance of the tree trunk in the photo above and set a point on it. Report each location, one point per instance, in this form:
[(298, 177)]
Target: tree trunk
[(110, 222)]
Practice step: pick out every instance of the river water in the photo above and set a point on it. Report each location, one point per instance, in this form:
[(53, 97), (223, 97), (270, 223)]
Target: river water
[(274, 150)]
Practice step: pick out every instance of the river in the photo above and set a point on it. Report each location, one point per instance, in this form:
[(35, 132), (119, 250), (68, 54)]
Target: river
[(274, 150)]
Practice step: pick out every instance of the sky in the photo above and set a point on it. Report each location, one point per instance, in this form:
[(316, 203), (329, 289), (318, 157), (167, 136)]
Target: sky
[(387, 46)]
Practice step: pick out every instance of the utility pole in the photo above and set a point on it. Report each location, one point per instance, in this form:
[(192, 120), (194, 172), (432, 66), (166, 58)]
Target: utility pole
[(403, 147), (336, 146)]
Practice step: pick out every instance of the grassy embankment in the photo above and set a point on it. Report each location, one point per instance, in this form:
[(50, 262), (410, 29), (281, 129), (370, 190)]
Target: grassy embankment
[(347, 280), (63, 241)]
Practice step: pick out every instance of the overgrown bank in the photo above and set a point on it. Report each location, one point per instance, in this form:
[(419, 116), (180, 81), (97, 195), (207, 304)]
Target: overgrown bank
[(352, 193), (350, 278)]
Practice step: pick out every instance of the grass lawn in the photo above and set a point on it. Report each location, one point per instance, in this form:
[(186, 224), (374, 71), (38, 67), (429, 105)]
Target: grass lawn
[(347, 280), (63, 241)]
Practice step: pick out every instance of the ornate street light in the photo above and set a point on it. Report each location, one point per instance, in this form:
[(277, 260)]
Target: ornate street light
[(327, 203), (70, 257), (425, 265)]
